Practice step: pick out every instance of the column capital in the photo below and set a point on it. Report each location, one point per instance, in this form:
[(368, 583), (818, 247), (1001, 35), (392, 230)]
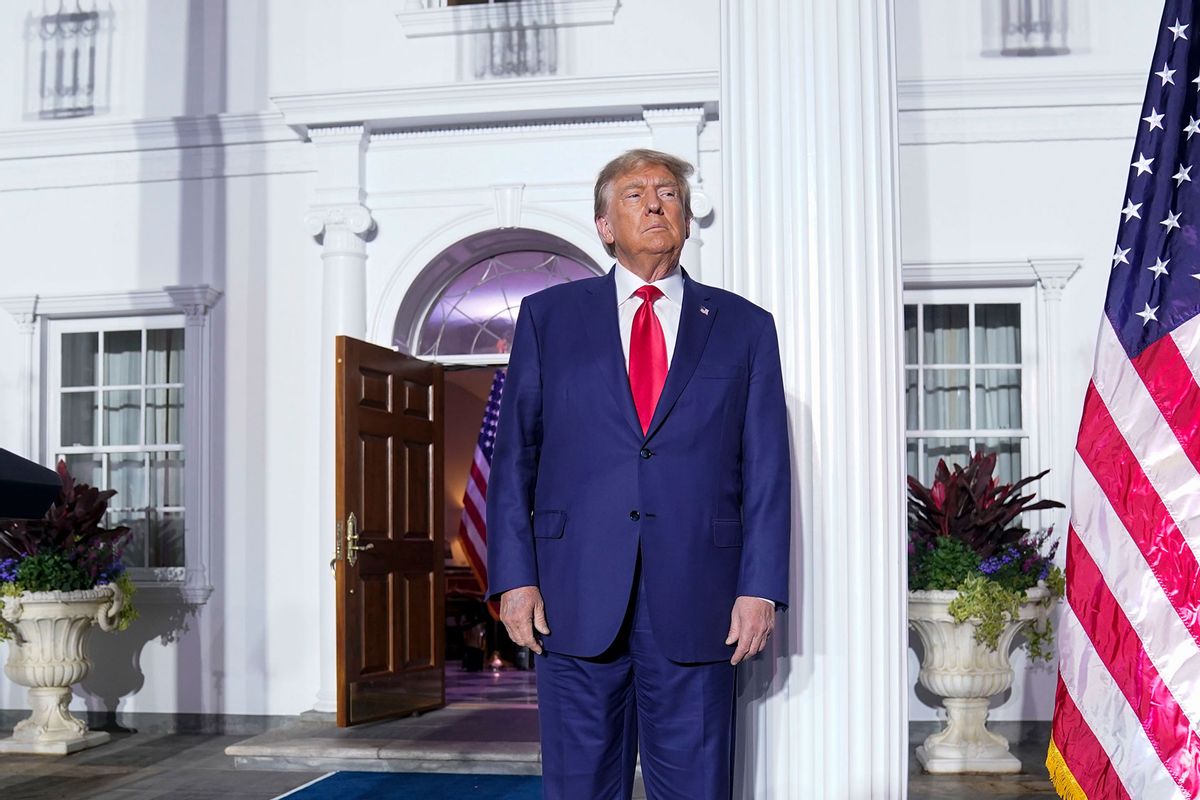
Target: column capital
[(1053, 275), (194, 301), (351, 217), (23, 309), (692, 116)]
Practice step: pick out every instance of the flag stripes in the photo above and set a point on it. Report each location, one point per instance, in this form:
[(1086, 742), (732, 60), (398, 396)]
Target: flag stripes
[(1125, 659), (1143, 517), (1089, 769), (1167, 640), (1109, 720), (472, 527)]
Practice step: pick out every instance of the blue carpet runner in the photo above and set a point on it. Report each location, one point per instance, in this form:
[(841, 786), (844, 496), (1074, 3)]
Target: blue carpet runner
[(405, 785)]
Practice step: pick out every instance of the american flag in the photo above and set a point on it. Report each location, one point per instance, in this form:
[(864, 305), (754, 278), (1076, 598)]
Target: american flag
[(1128, 698), (472, 530)]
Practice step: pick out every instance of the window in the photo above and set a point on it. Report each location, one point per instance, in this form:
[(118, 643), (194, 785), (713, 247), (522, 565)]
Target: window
[(477, 311), (115, 412), (969, 380)]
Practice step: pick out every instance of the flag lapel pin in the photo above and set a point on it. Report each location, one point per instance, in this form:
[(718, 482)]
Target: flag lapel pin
[(704, 310)]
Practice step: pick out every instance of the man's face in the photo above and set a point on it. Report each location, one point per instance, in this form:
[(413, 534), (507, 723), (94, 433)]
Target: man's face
[(645, 214)]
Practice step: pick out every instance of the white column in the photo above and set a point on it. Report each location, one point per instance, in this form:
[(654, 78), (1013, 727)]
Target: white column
[(195, 302), (341, 222), (677, 131), (808, 125)]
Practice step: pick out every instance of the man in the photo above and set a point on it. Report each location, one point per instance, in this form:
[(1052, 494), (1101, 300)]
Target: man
[(638, 508)]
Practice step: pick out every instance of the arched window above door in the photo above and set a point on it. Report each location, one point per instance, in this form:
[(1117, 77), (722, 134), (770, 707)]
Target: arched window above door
[(466, 301)]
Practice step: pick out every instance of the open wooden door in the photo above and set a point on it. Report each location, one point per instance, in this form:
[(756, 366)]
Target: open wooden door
[(389, 558)]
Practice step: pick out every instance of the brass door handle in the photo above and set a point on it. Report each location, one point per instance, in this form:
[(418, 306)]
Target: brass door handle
[(353, 548)]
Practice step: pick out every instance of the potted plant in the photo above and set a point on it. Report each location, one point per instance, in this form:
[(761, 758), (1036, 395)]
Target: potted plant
[(58, 576), (977, 577)]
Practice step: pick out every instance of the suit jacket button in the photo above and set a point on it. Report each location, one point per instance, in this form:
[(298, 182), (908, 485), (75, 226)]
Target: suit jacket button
[(634, 515), (645, 453)]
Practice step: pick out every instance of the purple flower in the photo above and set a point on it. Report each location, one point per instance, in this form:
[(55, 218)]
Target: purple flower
[(8, 570)]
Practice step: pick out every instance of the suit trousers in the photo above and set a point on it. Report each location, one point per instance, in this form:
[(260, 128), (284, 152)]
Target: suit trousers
[(596, 712)]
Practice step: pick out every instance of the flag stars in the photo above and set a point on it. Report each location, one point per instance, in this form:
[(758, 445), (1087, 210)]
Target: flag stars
[(1143, 163), (1147, 314), (1166, 75), (1155, 119), (1131, 210), (1159, 267), (1121, 256), (1182, 175), (1178, 30), (1171, 222), (1193, 126)]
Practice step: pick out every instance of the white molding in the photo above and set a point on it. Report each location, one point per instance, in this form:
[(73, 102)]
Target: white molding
[(475, 135), (97, 304), (86, 136), (496, 102), (150, 166), (1035, 124), (446, 21), (1021, 91), (967, 274)]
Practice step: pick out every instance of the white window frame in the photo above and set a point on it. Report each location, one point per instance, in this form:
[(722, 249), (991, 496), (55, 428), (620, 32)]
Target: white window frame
[(53, 447), (1045, 279), (1022, 297), (188, 306)]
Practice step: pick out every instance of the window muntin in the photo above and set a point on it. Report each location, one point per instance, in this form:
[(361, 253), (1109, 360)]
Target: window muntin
[(116, 418), (476, 312), (967, 379)]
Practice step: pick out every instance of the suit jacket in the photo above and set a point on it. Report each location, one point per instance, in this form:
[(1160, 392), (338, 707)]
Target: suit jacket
[(576, 487)]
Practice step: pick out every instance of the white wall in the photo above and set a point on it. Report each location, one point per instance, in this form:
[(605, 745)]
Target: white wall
[(190, 176), (1001, 159), (1011, 159)]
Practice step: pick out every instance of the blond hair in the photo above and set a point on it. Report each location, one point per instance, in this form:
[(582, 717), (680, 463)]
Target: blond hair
[(630, 160)]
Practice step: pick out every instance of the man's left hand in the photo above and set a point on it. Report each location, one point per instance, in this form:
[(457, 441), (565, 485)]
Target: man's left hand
[(750, 625)]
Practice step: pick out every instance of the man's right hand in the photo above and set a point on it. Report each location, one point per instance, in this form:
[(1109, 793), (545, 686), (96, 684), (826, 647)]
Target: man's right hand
[(522, 611)]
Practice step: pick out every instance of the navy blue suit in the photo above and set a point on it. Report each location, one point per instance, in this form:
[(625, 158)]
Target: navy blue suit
[(582, 504)]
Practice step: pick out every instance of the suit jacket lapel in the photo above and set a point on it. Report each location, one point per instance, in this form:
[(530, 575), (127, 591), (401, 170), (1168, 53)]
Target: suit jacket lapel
[(695, 322), (600, 316)]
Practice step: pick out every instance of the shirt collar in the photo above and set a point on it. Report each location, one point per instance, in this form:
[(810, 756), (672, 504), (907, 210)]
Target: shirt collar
[(628, 283)]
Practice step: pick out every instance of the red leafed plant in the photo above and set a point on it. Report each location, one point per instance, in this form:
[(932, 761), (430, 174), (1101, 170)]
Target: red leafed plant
[(71, 529), (970, 505)]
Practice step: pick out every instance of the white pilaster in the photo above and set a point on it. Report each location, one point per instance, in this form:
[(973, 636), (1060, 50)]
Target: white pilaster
[(808, 129), (1053, 276), (677, 131), (195, 302), (341, 224), (23, 310)]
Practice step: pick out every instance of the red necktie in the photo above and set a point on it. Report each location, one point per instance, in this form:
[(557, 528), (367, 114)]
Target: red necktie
[(647, 356)]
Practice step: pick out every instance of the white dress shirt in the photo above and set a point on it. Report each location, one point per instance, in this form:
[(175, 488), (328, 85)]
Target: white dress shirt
[(667, 308)]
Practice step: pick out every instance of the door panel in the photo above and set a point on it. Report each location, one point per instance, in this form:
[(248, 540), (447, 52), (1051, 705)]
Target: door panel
[(390, 601)]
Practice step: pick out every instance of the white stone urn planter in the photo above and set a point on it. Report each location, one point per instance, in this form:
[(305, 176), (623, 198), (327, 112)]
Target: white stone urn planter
[(966, 673), (47, 655)]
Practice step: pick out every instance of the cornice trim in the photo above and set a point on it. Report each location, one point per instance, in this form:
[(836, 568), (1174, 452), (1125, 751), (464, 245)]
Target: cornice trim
[(979, 274), (169, 300), (1095, 89), (88, 137), (500, 102)]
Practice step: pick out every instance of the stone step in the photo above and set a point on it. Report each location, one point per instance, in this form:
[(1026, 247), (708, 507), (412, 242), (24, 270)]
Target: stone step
[(460, 738)]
